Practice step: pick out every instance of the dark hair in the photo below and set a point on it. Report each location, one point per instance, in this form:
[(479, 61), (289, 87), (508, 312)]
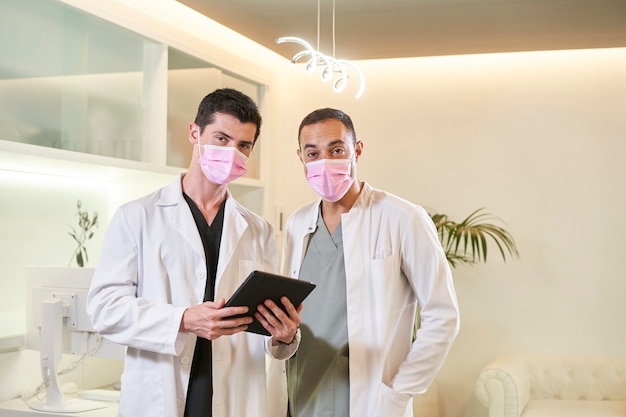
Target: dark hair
[(232, 102), (327, 113)]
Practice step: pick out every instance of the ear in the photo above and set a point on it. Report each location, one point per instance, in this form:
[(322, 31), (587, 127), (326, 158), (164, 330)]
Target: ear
[(194, 133), (358, 149), (299, 155)]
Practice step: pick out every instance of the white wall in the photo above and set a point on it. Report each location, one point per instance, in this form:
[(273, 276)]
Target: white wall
[(537, 138)]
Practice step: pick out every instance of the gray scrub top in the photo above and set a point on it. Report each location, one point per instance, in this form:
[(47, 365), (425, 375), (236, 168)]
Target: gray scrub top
[(318, 377)]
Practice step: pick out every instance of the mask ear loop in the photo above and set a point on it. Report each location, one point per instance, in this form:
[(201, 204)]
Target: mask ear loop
[(198, 141), (354, 161), (353, 167)]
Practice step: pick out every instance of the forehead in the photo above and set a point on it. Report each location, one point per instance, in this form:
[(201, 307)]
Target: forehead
[(226, 123), (324, 133), (223, 119)]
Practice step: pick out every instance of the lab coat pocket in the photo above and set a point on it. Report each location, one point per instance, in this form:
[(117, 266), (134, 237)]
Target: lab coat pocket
[(381, 275), (382, 254), (390, 403), (142, 394)]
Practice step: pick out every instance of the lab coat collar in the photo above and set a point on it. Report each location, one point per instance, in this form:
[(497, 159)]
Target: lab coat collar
[(172, 194), (235, 223), (181, 217), (367, 193), (234, 227), (311, 216)]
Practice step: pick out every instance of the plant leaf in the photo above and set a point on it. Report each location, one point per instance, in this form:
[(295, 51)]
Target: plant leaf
[(467, 242)]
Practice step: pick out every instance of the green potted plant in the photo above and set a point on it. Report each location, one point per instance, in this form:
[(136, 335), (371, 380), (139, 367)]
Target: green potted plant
[(84, 232), (466, 242)]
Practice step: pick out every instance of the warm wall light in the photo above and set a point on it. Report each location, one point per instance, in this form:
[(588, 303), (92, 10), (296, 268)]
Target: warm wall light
[(331, 67)]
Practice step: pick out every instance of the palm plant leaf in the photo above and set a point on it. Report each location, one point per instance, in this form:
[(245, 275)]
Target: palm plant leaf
[(466, 242)]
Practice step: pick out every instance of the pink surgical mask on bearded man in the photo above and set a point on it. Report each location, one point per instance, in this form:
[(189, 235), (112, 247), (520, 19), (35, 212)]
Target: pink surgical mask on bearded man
[(330, 178)]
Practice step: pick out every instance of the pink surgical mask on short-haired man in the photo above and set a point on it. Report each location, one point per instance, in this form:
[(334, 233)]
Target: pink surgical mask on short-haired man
[(222, 164)]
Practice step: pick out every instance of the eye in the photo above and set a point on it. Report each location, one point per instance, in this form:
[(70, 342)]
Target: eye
[(311, 155), (337, 151), (245, 146)]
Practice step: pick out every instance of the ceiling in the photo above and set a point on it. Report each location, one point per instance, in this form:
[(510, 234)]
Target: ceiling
[(375, 29)]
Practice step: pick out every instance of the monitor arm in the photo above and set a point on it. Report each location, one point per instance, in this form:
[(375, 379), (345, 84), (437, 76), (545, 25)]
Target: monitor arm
[(52, 314)]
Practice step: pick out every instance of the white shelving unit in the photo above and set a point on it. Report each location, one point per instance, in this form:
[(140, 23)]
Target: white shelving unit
[(103, 97)]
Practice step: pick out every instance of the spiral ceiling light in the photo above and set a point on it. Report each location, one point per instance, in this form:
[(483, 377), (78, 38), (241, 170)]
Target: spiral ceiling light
[(331, 69)]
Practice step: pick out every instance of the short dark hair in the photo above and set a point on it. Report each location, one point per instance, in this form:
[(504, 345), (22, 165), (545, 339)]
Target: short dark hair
[(232, 102), (327, 113)]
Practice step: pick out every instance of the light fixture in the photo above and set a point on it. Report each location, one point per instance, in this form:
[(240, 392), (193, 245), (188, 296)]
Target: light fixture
[(332, 69)]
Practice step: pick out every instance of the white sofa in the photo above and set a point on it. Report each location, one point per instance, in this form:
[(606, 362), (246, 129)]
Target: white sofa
[(553, 386)]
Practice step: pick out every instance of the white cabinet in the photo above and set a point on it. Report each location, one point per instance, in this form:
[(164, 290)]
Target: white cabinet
[(72, 81)]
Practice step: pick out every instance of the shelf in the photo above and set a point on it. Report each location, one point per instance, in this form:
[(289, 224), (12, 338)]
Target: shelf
[(20, 157)]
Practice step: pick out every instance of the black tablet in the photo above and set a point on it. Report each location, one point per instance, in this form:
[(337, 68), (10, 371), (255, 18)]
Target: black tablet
[(260, 286)]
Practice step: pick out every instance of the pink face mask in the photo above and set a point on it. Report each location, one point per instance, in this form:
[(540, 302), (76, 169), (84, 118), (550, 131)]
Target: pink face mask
[(330, 178), (222, 164)]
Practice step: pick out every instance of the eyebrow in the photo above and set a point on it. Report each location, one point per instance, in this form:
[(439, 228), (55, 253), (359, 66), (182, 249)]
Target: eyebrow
[(220, 133), (226, 135), (331, 144)]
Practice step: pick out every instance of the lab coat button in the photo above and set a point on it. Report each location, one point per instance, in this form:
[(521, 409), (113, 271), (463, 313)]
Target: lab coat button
[(184, 360)]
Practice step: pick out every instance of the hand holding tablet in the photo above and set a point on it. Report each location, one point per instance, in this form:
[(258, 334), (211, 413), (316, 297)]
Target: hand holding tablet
[(260, 286)]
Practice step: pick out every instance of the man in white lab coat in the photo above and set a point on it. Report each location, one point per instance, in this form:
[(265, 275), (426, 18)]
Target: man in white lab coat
[(169, 261), (375, 258)]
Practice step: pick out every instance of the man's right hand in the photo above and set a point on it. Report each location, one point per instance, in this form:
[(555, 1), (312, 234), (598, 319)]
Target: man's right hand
[(210, 320)]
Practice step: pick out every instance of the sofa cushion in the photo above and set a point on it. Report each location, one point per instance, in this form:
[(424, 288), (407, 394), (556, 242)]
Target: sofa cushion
[(573, 408), (576, 378)]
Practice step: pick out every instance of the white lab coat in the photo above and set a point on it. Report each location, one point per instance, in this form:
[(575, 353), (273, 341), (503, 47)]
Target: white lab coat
[(151, 268), (394, 261)]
